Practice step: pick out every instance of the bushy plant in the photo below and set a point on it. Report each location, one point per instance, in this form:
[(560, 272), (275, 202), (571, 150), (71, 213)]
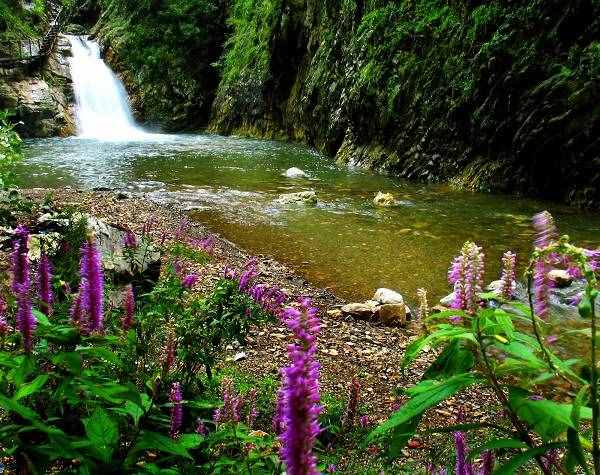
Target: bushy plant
[(489, 340), (10, 149)]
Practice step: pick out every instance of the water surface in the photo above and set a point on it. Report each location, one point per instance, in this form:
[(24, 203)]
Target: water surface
[(344, 242)]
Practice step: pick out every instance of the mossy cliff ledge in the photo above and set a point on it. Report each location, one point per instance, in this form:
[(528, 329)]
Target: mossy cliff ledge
[(492, 95)]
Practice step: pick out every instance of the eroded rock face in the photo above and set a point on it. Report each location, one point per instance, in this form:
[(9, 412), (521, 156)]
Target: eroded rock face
[(43, 102)]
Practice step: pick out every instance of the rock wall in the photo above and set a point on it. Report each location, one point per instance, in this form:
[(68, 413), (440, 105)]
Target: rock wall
[(499, 95), (43, 100)]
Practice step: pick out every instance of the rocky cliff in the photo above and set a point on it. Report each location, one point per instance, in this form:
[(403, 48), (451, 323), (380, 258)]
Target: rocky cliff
[(498, 95), (42, 99)]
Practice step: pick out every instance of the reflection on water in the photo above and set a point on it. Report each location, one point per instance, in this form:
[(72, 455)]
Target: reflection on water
[(344, 242)]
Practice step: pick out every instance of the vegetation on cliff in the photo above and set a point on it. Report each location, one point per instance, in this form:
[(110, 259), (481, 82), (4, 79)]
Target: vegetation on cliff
[(165, 51)]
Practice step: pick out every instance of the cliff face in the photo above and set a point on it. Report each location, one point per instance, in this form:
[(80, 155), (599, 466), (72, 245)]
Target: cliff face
[(496, 95)]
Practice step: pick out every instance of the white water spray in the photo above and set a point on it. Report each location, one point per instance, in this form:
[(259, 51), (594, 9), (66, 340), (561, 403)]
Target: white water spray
[(102, 107)]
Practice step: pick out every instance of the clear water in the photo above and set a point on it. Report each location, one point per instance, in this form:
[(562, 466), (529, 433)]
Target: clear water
[(344, 242)]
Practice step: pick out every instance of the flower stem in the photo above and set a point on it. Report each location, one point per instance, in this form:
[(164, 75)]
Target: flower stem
[(594, 392)]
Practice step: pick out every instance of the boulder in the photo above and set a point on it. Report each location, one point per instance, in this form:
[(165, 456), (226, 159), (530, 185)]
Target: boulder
[(141, 264), (302, 197), (560, 277), (388, 296), (359, 310), (392, 314), (384, 200), (295, 173)]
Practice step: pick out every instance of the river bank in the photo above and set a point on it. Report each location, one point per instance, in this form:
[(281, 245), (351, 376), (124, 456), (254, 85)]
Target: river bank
[(348, 348)]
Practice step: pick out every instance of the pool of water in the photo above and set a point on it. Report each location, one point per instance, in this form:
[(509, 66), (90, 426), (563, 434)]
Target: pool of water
[(344, 242)]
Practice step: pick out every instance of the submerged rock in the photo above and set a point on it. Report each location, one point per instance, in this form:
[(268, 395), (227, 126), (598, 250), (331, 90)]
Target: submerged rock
[(302, 197), (295, 173), (384, 200)]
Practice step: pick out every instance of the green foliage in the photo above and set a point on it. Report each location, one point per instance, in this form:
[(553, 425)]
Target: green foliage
[(168, 50), (10, 149), (489, 349)]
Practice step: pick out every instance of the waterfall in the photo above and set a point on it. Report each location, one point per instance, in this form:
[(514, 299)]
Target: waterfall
[(102, 107)]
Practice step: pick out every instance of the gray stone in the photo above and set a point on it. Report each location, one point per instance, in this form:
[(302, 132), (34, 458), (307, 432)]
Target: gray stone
[(359, 310), (388, 296)]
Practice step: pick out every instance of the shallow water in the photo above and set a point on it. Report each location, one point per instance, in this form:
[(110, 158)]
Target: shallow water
[(344, 242)]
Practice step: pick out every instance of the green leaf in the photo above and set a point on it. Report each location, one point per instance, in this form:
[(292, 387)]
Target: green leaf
[(510, 467), (31, 388), (103, 432), (14, 406), (156, 441), (547, 418), (497, 444), (190, 441), (424, 395), (453, 360), (100, 353), (130, 409)]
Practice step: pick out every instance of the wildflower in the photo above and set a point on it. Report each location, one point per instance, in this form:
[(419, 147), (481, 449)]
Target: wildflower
[(129, 240), (20, 259), (201, 427), (455, 319), (508, 280), (542, 287), (545, 228), (4, 327), (92, 285), (25, 321), (148, 225), (269, 298), (170, 350), (364, 422), (238, 405), (207, 244), (76, 311), (250, 271), (176, 410), (45, 284), (190, 280), (253, 412), (487, 465), (182, 229), (331, 468), (551, 339), (351, 413), (423, 304), (462, 465), (576, 299), (466, 273), (229, 273), (300, 392), (128, 307)]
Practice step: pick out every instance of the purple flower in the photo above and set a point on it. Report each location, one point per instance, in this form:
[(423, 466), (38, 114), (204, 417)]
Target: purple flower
[(190, 280), (45, 284), (462, 465), (170, 350), (128, 307), (269, 298), (551, 339), (487, 465), (364, 422), (229, 273), (542, 287), (250, 271), (546, 232), (130, 241), (508, 279), (182, 229), (148, 225), (299, 393), (76, 311), (351, 413), (201, 427), (535, 397), (466, 273), (21, 285), (176, 410), (4, 327), (253, 412), (455, 319), (92, 285), (207, 244), (20, 259), (576, 299), (331, 468)]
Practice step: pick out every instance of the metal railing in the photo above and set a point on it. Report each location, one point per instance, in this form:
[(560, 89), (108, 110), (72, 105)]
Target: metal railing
[(33, 53)]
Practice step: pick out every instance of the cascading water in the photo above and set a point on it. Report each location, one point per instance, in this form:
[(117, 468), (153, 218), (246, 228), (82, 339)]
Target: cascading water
[(102, 107)]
